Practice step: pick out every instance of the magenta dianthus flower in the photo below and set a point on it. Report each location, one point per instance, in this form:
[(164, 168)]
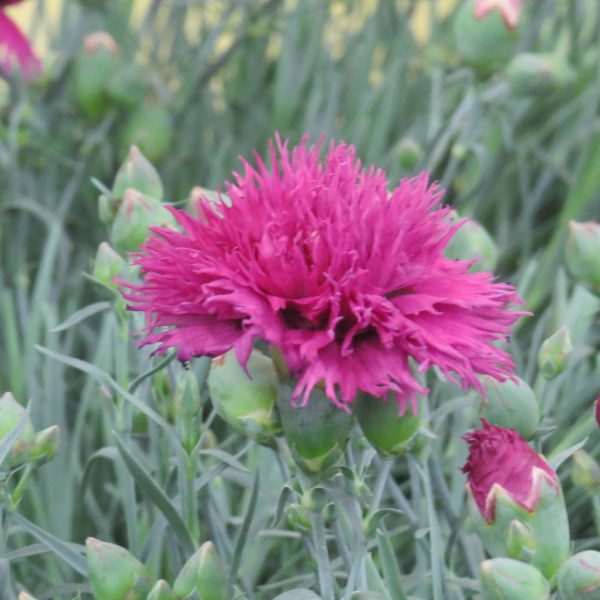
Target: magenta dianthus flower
[(346, 279), (15, 49)]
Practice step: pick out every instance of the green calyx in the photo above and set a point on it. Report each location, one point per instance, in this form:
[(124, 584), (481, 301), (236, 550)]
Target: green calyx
[(246, 401), (202, 573), (316, 433), (389, 432), (579, 577)]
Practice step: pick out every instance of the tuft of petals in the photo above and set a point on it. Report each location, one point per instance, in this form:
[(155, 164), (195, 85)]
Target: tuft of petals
[(346, 279), (15, 49), (509, 9), (500, 459)]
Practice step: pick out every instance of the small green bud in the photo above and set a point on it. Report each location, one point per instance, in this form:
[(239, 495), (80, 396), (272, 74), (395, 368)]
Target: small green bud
[(315, 499), (472, 242), (246, 403), (11, 413), (45, 445), (409, 153), (520, 541), (554, 352), (161, 591), (136, 214), (532, 73), (388, 431), (93, 69), (187, 407), (204, 573), (511, 404), (579, 577), (317, 433), (137, 173), (585, 471), (583, 253), (114, 573), (298, 517), (107, 265), (127, 87), (150, 128), (484, 42), (509, 579)]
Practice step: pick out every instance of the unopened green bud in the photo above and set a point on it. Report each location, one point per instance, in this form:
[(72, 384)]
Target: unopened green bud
[(511, 404), (217, 199), (583, 253), (585, 471), (150, 128), (538, 74), (298, 517), (161, 591), (388, 431), (11, 414), (520, 540), (128, 85), (509, 579), (202, 573), (409, 153), (579, 577), (484, 42), (246, 403), (137, 173), (107, 265), (473, 242), (315, 499), (114, 573), (93, 69), (554, 352), (136, 214), (187, 395), (45, 444), (317, 433)]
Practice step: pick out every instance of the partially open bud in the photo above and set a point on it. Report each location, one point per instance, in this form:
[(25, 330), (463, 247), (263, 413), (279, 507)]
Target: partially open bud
[(508, 480), (472, 242), (388, 431), (520, 540), (137, 173), (509, 579), (554, 353), (114, 573), (202, 573), (246, 403), (585, 471), (136, 214), (107, 265), (161, 591), (316, 433), (93, 69), (511, 404), (11, 413), (510, 10), (483, 42), (45, 445), (579, 577), (583, 253), (538, 74)]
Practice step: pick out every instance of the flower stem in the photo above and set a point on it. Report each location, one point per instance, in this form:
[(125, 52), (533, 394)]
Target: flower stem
[(322, 556)]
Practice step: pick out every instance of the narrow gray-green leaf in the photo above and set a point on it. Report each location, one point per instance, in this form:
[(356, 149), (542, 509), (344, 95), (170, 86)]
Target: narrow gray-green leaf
[(389, 564), (81, 315), (157, 496)]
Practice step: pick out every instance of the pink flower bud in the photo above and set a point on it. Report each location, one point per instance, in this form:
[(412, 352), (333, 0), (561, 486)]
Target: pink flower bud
[(500, 458), (509, 9)]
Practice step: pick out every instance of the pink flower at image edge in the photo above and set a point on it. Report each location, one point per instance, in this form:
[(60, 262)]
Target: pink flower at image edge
[(500, 457), (509, 9), (345, 278), (15, 49)]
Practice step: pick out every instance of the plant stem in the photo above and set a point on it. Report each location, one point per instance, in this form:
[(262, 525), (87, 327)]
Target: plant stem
[(322, 556)]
